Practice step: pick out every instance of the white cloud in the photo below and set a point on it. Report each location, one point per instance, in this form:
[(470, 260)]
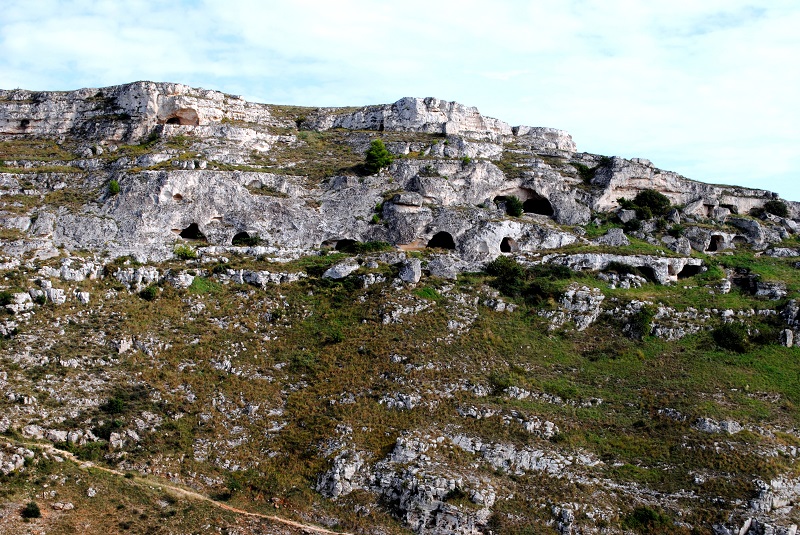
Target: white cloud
[(705, 88)]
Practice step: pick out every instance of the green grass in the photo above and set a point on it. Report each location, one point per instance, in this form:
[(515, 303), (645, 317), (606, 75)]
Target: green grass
[(202, 285)]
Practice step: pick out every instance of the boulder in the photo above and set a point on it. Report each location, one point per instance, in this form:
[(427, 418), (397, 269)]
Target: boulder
[(615, 237), (411, 270), (342, 269)]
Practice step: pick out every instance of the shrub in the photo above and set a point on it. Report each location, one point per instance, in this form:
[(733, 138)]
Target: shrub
[(113, 187), (466, 160), (777, 208), (732, 336), (644, 213), (377, 157), (657, 203), (6, 298), (150, 293), (31, 510), (510, 275), (647, 203), (585, 172), (114, 405), (514, 206), (641, 323), (185, 252), (647, 520), (634, 225), (676, 231)]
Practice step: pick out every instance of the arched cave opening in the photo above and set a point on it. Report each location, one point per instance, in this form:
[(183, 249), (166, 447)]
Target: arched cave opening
[(346, 246), (689, 271), (648, 273), (716, 243), (442, 240), (244, 239), (192, 232), (537, 204), (739, 240), (508, 245), (184, 116)]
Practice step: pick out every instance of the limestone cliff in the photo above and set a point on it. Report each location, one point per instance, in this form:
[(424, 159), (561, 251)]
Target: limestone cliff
[(197, 159)]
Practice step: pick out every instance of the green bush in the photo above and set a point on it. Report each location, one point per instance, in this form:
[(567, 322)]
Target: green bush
[(6, 298), (466, 160), (657, 203), (634, 225), (647, 520), (777, 208), (647, 203), (514, 206), (31, 510), (641, 323), (676, 231), (185, 252), (114, 405), (732, 336), (377, 157), (510, 275), (585, 172), (150, 293), (113, 187)]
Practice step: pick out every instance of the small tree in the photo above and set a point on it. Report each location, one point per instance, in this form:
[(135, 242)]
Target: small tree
[(113, 187), (776, 208), (514, 206), (377, 157), (656, 202), (31, 510)]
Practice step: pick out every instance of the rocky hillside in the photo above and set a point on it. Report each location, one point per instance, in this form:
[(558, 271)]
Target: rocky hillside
[(493, 333)]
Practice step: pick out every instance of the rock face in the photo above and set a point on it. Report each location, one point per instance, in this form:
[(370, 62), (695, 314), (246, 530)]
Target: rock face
[(195, 163)]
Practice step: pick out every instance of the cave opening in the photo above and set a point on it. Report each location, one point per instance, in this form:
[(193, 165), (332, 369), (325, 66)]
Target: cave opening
[(185, 117), (717, 242), (508, 245), (537, 204), (244, 239), (192, 232), (689, 271), (442, 240)]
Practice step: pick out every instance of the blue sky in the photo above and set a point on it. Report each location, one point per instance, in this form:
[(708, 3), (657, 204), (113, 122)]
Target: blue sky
[(708, 89)]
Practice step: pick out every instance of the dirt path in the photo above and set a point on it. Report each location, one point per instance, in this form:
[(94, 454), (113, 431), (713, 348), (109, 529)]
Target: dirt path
[(183, 492)]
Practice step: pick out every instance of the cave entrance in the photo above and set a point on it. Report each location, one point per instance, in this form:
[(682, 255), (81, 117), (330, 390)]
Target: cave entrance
[(442, 240), (346, 246), (192, 232), (508, 245), (717, 242), (244, 239), (739, 240), (184, 116), (689, 271), (536, 204), (648, 273)]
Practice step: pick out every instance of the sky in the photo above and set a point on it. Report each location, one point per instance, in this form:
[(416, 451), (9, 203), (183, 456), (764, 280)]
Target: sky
[(707, 88)]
